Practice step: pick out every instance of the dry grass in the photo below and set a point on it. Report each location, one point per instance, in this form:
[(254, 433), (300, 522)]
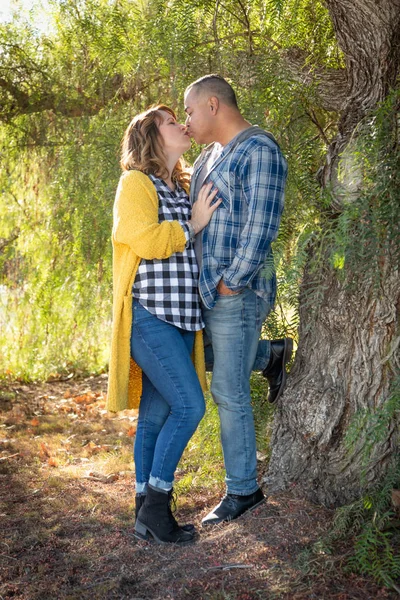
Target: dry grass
[(67, 534)]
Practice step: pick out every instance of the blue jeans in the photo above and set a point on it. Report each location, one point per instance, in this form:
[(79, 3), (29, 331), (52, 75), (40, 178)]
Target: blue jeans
[(233, 327), (260, 362), (172, 402)]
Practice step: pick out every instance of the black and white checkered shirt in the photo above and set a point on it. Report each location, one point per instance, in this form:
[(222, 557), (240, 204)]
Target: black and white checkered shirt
[(168, 288)]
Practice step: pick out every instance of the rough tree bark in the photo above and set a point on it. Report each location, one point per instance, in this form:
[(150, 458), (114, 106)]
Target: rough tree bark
[(348, 348)]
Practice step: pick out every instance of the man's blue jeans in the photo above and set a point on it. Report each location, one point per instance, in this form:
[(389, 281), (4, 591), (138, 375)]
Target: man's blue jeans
[(172, 402), (260, 362), (233, 327)]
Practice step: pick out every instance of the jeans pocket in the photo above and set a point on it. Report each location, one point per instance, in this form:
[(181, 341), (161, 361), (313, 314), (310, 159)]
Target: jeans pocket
[(263, 309), (138, 310), (235, 295)]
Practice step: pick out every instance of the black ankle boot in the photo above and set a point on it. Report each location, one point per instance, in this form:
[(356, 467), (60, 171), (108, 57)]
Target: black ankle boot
[(139, 501), (155, 517)]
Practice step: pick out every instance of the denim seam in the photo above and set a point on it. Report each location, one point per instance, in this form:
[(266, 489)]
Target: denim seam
[(243, 416)]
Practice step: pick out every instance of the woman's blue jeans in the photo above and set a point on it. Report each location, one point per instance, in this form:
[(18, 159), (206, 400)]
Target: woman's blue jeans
[(233, 326), (172, 402)]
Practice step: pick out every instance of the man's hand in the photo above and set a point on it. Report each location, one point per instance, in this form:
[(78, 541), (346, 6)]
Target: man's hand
[(223, 290)]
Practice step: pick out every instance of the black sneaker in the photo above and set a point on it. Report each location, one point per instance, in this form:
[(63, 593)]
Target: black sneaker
[(232, 506)]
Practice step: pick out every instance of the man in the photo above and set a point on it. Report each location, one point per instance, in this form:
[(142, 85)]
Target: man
[(237, 282)]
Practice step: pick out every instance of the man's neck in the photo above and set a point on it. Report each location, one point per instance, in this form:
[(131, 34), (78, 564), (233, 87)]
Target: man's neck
[(230, 129)]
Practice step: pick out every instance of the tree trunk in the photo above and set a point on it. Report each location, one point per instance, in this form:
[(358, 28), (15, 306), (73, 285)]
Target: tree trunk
[(348, 350), (344, 364), (368, 33)]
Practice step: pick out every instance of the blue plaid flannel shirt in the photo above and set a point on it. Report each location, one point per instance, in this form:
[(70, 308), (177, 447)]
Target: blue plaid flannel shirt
[(250, 175)]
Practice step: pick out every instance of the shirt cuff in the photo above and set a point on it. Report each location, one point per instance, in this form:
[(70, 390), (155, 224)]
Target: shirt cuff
[(189, 233), (231, 286)]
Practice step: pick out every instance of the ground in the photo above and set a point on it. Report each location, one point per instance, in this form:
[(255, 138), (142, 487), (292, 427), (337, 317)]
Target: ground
[(66, 517)]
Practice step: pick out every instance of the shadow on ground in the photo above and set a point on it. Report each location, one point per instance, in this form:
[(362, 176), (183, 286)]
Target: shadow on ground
[(67, 535)]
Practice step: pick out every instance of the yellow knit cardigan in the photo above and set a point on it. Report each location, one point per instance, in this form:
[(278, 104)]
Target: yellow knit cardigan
[(137, 234)]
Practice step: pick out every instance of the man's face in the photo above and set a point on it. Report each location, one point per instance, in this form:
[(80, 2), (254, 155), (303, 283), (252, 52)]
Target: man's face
[(200, 117)]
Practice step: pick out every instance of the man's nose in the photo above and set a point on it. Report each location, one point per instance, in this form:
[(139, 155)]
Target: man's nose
[(187, 121)]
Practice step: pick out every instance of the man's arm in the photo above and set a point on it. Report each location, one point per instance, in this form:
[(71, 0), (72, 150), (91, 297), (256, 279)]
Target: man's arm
[(263, 182)]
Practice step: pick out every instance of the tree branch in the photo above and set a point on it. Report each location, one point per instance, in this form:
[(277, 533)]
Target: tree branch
[(4, 242), (331, 85)]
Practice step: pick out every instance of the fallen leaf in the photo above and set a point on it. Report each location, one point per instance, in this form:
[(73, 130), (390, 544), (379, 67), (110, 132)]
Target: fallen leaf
[(44, 451), (35, 422), (52, 462), (92, 448), (131, 431), (85, 399)]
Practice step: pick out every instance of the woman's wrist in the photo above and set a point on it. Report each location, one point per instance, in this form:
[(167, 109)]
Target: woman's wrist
[(192, 232), (195, 226)]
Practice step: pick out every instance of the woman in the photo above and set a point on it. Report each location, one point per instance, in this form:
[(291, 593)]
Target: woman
[(155, 336)]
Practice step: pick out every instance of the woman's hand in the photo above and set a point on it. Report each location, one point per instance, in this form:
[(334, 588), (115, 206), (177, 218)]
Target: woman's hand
[(202, 210)]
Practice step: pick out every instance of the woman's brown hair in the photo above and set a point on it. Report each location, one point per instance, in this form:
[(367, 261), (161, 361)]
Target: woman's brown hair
[(141, 147)]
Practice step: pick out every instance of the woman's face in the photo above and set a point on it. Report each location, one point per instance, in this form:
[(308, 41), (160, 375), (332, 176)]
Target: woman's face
[(174, 136)]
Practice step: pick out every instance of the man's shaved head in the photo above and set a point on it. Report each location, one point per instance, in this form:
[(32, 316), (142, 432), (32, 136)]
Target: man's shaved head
[(214, 85)]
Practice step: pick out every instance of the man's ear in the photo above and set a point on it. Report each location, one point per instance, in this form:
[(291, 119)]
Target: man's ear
[(213, 104)]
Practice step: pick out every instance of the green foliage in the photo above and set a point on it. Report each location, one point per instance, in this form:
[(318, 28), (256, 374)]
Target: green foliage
[(363, 239), (372, 426), (367, 232), (67, 96), (370, 522), (56, 284)]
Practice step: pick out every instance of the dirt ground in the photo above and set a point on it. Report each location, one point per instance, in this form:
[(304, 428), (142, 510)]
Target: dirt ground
[(66, 518)]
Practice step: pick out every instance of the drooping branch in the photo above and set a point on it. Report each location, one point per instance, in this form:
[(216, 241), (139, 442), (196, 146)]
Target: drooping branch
[(14, 101)]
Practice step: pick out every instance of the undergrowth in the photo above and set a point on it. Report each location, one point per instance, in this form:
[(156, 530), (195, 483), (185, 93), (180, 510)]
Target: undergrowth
[(372, 524)]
